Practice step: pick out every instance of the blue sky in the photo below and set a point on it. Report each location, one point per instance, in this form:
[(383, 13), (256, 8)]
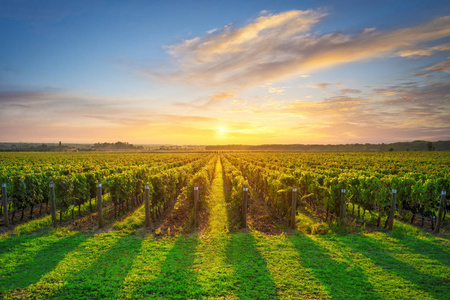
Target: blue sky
[(221, 72)]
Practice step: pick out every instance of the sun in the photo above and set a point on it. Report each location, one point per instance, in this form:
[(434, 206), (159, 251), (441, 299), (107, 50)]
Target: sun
[(221, 131)]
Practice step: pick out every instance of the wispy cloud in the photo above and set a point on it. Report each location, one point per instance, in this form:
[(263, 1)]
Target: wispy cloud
[(415, 109), (53, 114), (277, 46), (443, 66), (211, 101), (418, 52), (350, 91), (277, 89), (322, 86)]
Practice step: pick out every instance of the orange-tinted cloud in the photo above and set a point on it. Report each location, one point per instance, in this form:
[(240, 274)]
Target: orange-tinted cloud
[(43, 116), (275, 47), (211, 101), (417, 52)]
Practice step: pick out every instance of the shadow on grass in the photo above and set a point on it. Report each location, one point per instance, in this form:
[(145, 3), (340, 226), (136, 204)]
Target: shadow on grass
[(41, 263), (423, 247), (341, 280), (254, 280), (104, 278), (435, 286), (176, 279), (7, 244)]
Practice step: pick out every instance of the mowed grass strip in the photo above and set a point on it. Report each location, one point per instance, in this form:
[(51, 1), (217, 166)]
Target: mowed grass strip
[(218, 215), (146, 267), (292, 278), (213, 272), (254, 280), (162, 270)]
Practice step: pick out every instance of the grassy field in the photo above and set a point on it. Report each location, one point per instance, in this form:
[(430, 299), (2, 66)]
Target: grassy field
[(406, 263)]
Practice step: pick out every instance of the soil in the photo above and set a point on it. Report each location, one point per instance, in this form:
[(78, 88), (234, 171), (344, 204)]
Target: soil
[(174, 220), (27, 217), (259, 218)]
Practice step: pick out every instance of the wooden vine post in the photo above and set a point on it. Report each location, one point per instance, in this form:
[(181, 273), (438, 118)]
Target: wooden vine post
[(342, 208), (5, 204), (293, 207), (53, 203), (441, 211), (196, 196), (244, 206), (392, 211), (148, 221), (99, 206)]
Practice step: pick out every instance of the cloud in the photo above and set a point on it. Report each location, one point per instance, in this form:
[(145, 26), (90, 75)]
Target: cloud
[(22, 96), (231, 40), (223, 95), (277, 90), (350, 91), (213, 100), (326, 87), (441, 48), (337, 132), (333, 108), (443, 66), (417, 52), (322, 86), (211, 31), (43, 115), (404, 111), (134, 119), (278, 46)]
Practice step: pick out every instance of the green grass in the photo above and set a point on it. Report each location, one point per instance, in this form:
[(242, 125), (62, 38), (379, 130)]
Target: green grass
[(134, 221), (380, 265), (406, 263)]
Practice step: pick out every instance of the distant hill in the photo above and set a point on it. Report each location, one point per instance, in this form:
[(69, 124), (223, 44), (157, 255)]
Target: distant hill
[(400, 146), (124, 146)]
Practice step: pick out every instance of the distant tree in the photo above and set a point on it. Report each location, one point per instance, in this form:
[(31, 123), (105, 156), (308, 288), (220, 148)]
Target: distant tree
[(391, 149), (430, 146)]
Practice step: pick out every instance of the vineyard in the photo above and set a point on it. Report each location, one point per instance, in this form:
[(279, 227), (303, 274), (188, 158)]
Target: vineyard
[(233, 225)]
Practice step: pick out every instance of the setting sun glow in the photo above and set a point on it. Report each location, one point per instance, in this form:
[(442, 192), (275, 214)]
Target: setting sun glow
[(267, 72)]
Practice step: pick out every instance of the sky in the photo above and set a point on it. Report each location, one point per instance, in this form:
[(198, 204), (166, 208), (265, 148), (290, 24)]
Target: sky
[(224, 72)]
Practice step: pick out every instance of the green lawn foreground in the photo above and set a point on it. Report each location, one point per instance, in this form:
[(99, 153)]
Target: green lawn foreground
[(404, 264), (60, 264), (70, 265)]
